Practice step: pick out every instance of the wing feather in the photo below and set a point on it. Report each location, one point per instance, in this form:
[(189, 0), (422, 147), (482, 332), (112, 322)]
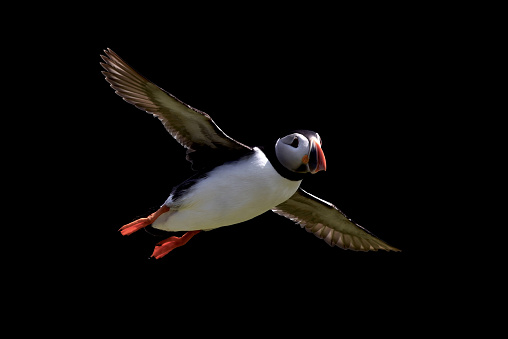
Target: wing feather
[(193, 129), (327, 222)]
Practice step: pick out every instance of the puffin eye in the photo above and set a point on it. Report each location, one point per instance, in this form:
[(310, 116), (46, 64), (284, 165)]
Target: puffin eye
[(295, 142)]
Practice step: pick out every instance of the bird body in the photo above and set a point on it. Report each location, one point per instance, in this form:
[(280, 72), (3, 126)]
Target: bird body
[(228, 194), (234, 182)]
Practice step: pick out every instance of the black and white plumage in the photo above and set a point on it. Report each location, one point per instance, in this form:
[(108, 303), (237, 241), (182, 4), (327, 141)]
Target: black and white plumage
[(234, 182)]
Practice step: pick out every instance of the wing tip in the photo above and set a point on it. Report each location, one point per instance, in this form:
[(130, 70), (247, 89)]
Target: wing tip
[(371, 248), (107, 54), (385, 247)]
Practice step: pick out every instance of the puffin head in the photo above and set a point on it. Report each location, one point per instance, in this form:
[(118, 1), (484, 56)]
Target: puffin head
[(301, 152)]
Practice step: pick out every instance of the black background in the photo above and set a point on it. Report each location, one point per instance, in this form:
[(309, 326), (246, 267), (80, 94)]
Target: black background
[(367, 85)]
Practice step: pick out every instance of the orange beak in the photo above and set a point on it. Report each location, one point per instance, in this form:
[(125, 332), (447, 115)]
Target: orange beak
[(317, 160)]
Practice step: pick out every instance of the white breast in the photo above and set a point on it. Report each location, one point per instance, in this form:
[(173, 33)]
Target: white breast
[(232, 193)]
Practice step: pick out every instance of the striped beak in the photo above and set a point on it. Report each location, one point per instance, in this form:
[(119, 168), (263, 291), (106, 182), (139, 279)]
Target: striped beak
[(317, 160)]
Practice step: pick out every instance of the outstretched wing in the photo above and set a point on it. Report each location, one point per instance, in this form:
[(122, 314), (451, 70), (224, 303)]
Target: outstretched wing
[(193, 129), (327, 222)]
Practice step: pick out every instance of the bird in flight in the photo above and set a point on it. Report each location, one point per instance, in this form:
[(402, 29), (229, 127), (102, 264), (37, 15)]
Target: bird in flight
[(233, 182)]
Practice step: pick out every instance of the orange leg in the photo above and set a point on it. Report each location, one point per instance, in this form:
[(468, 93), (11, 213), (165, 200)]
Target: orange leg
[(143, 222), (165, 246)]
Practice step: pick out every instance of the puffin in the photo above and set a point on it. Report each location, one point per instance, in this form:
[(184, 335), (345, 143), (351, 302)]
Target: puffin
[(233, 182)]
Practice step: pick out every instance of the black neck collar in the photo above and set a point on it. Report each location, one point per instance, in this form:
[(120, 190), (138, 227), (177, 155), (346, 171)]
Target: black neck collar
[(283, 171)]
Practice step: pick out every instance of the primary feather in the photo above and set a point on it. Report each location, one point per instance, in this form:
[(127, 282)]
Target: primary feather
[(329, 223), (192, 128)]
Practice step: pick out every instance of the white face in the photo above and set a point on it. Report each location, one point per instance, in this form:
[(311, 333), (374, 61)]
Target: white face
[(300, 153), (291, 150)]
